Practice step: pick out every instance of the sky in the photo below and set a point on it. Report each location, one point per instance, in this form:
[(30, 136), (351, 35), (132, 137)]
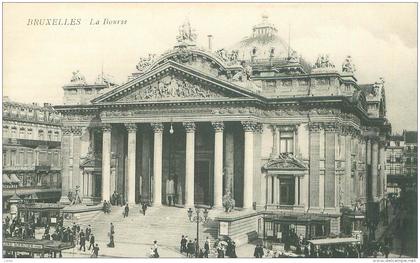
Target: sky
[(39, 60)]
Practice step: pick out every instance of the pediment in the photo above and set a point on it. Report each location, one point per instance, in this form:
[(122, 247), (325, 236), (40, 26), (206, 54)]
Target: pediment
[(173, 81), (285, 161), (172, 87)]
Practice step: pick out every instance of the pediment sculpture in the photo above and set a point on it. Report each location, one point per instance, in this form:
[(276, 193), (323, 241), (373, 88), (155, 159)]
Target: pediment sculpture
[(285, 161), (171, 87), (230, 58)]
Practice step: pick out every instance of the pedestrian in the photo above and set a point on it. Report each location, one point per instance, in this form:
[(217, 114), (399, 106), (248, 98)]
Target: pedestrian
[(233, 250), (126, 209), (155, 249), (183, 242), (220, 251), (144, 208), (207, 247), (386, 250), (257, 252), (82, 241), (190, 249), (88, 232), (111, 241), (91, 241), (112, 229), (96, 250)]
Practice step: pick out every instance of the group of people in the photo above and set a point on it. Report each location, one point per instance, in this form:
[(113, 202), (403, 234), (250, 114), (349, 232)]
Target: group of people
[(192, 248), (225, 248), (117, 199), (79, 237), (15, 228)]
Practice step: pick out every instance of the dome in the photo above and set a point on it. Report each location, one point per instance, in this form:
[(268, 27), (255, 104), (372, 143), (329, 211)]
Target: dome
[(263, 43)]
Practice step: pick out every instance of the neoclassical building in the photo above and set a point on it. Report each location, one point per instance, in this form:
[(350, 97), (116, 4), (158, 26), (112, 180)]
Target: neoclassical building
[(256, 121)]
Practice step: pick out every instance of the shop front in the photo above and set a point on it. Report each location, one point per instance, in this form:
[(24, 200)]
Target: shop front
[(41, 214), (289, 229), (30, 248)]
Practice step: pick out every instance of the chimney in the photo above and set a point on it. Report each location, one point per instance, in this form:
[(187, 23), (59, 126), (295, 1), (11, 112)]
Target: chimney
[(210, 38)]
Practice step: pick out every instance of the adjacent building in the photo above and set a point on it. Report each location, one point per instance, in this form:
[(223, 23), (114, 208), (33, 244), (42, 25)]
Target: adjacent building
[(31, 151), (302, 144), (401, 161)]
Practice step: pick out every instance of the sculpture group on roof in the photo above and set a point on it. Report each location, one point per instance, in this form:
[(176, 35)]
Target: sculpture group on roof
[(77, 78), (348, 65), (323, 61), (186, 33), (228, 57), (145, 62)]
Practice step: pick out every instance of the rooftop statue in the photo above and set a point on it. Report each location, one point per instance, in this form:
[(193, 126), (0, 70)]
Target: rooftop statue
[(229, 57), (145, 62), (105, 79), (78, 78), (245, 74), (323, 62), (293, 57), (186, 34), (348, 65)]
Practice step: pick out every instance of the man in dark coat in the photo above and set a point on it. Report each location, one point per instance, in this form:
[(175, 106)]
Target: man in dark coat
[(82, 241), (88, 232), (190, 249), (183, 247), (91, 241), (144, 208), (126, 210), (96, 250)]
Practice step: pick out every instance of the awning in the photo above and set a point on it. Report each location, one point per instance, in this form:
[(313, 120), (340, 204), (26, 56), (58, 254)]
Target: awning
[(332, 241), (6, 179), (14, 179)]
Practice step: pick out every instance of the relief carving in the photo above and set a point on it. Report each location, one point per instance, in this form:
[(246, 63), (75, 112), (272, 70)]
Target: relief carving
[(171, 88)]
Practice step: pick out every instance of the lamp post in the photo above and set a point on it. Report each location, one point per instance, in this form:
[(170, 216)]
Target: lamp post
[(198, 217)]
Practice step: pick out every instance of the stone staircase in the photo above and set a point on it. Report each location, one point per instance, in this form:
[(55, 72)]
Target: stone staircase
[(164, 224)]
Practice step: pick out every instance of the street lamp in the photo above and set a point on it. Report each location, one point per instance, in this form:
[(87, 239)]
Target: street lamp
[(198, 217)]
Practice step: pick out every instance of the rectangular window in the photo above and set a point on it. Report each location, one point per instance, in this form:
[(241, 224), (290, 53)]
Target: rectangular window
[(50, 135), (286, 142), (5, 131), (287, 191), (13, 159), (40, 134)]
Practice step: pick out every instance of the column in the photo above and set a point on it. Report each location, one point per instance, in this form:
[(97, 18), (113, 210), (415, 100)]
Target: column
[(157, 163), (381, 185), (329, 178), (131, 162), (218, 163), (190, 128), (269, 189), (65, 155), (347, 166), (276, 190), (275, 149), (90, 184), (374, 169), (296, 190), (249, 128), (106, 162), (314, 129), (77, 174), (368, 181)]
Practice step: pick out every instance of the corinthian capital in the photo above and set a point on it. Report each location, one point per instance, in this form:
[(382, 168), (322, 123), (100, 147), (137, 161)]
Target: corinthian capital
[(157, 127), (218, 126), (314, 127), (249, 126), (106, 127), (331, 126), (189, 126), (131, 127)]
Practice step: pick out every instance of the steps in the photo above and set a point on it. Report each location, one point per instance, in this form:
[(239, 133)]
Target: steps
[(164, 224)]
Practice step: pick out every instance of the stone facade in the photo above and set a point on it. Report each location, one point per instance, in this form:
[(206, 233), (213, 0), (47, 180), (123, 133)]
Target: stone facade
[(31, 151), (278, 134)]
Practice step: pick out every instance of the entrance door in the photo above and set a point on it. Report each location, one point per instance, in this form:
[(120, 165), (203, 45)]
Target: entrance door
[(202, 182)]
